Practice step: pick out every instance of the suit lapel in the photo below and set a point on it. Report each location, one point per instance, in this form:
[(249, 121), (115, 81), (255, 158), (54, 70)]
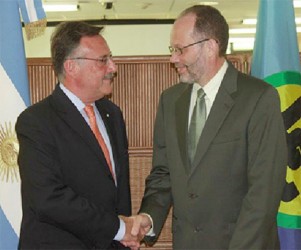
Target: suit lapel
[(69, 113), (222, 105), (181, 114)]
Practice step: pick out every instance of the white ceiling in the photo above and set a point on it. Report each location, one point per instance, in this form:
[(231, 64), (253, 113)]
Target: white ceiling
[(233, 10), (159, 11)]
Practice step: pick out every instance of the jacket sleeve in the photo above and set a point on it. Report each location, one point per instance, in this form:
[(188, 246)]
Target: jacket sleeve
[(157, 198), (267, 160)]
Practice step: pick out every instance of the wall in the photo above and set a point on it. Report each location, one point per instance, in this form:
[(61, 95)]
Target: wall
[(124, 40), (131, 40), (137, 88)]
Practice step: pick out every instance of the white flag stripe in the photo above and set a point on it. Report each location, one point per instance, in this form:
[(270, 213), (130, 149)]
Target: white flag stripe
[(8, 113), (9, 95), (11, 207), (31, 10)]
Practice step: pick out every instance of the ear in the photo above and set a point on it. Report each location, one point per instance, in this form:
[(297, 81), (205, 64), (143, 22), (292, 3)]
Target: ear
[(71, 67), (213, 48)]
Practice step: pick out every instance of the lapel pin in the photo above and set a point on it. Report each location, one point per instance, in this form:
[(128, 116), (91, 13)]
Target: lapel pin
[(108, 115)]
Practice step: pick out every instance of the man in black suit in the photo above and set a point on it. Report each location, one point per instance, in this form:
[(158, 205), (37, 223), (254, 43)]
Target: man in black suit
[(75, 190)]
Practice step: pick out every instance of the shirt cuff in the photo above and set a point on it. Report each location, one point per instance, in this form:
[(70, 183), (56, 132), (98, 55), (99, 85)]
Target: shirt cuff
[(151, 231), (121, 232)]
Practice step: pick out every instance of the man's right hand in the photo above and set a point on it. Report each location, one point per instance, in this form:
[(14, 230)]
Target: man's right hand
[(129, 240), (142, 225), (136, 228)]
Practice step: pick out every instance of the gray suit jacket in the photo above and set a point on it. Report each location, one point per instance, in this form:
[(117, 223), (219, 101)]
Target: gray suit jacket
[(229, 197)]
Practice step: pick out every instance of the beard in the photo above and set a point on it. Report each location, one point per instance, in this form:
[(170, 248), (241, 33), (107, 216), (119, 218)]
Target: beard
[(191, 72), (189, 76)]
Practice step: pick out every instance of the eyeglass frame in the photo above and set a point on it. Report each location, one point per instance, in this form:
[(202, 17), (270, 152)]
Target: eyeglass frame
[(103, 60), (180, 50)]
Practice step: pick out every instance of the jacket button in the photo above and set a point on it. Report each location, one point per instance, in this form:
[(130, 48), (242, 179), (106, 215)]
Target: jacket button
[(192, 196), (197, 229)]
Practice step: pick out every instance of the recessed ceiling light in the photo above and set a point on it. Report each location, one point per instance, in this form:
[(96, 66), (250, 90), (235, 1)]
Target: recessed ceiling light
[(250, 21), (297, 4), (209, 3), (60, 7), (243, 31)]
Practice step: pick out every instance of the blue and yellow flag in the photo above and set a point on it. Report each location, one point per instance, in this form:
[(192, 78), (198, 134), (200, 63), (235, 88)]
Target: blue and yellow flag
[(14, 97), (276, 60)]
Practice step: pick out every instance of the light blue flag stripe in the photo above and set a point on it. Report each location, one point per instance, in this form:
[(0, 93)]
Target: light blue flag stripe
[(9, 239), (12, 59), (275, 50), (38, 13), (12, 54)]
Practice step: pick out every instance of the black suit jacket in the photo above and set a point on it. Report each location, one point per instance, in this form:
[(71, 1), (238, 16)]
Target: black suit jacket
[(69, 197)]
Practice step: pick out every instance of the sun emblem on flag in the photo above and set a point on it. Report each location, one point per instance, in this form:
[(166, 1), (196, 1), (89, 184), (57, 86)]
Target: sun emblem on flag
[(9, 149)]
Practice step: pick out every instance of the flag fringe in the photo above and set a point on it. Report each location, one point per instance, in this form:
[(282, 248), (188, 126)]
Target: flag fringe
[(35, 29)]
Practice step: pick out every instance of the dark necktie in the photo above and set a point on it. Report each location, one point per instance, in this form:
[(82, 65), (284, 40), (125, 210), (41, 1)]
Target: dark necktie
[(92, 119), (197, 123)]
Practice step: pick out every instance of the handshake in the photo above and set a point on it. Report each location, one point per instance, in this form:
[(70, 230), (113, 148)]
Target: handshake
[(136, 227)]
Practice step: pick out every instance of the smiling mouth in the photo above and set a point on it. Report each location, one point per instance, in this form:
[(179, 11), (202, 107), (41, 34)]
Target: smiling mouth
[(181, 69)]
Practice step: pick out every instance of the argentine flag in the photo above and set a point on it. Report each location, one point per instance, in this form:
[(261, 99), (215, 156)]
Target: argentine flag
[(14, 97), (276, 60)]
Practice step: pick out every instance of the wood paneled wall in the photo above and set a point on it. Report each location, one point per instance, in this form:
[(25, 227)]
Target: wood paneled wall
[(137, 88)]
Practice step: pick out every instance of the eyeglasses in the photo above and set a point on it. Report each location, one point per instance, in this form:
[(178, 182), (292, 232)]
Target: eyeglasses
[(179, 51), (102, 60)]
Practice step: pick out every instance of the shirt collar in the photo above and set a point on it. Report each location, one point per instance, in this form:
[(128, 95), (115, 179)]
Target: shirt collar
[(213, 85), (73, 98)]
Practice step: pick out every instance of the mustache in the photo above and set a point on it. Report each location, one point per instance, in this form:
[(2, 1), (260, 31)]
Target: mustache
[(110, 75), (179, 65)]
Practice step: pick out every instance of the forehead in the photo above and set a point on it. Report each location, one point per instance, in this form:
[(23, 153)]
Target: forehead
[(95, 44), (182, 30)]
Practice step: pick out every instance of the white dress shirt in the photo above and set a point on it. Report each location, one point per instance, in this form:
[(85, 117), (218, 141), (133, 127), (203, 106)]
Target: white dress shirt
[(210, 90), (80, 107)]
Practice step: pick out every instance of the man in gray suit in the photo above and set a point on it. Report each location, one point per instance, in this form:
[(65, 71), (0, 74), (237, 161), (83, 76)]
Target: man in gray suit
[(225, 188)]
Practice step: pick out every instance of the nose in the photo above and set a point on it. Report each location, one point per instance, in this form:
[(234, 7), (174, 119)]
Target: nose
[(174, 58), (112, 67)]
